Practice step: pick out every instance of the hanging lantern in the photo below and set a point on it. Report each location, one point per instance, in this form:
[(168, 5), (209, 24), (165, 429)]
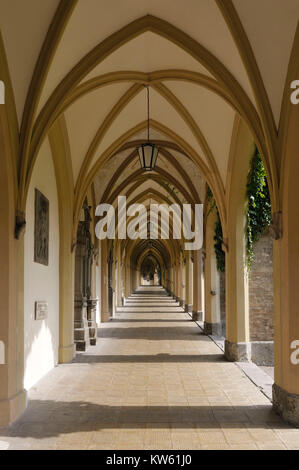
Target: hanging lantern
[(148, 152)]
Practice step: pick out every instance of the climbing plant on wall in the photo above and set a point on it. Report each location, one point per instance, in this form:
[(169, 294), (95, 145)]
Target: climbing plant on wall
[(259, 204), (218, 237)]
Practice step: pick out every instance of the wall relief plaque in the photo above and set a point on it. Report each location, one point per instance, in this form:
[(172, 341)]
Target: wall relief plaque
[(41, 229), (41, 310)]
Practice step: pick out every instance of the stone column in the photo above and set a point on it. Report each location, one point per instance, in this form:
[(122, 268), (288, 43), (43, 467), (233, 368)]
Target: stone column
[(136, 279), (65, 192), (183, 283), (127, 279), (114, 284), (123, 281), (177, 281), (81, 331), (105, 316), (12, 393), (91, 301), (189, 283), (237, 345), (119, 276), (197, 313), (172, 277), (285, 231), (212, 323)]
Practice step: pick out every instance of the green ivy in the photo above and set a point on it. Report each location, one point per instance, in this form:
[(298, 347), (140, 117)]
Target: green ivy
[(210, 200), (218, 237), (183, 256), (258, 213), (259, 205)]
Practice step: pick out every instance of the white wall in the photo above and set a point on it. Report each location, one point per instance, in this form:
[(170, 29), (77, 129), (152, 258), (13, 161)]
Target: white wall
[(41, 282)]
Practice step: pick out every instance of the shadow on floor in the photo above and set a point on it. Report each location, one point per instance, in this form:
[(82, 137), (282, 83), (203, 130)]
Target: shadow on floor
[(114, 358), (148, 320), (153, 333), (46, 418)]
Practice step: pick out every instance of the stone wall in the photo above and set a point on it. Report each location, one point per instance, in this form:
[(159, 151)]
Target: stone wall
[(261, 290)]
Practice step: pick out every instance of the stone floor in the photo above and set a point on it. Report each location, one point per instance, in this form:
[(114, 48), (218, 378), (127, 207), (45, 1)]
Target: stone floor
[(153, 381)]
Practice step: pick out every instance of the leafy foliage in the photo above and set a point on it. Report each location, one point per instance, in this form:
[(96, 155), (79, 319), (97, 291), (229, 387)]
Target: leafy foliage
[(218, 237), (258, 213), (259, 205), (210, 200), (183, 256)]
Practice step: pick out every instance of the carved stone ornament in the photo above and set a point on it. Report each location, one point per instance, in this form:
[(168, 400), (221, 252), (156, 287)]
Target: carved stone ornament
[(41, 229)]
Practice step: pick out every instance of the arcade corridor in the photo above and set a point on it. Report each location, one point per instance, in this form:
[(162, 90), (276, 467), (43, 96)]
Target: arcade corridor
[(149, 224), (153, 381)]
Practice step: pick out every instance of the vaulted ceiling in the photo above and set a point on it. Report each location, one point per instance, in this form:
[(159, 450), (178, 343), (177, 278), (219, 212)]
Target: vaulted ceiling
[(206, 61)]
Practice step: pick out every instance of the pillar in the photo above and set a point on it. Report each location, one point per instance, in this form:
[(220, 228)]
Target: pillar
[(105, 315), (81, 331), (189, 283), (177, 280), (58, 139), (212, 323), (237, 345), (127, 278), (285, 229), (197, 314), (119, 272), (12, 394), (183, 283)]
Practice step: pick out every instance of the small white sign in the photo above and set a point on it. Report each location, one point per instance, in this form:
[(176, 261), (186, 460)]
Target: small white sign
[(41, 310)]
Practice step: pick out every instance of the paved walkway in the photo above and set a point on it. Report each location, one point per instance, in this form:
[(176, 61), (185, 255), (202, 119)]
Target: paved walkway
[(152, 382)]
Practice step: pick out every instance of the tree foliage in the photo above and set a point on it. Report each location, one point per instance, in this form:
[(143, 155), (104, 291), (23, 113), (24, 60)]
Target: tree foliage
[(218, 236)]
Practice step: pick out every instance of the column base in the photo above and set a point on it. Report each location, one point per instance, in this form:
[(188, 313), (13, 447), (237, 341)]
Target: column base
[(182, 303), (212, 329), (197, 316), (188, 308), (286, 405), (93, 329), (66, 353), (81, 345), (237, 352), (81, 338), (12, 408)]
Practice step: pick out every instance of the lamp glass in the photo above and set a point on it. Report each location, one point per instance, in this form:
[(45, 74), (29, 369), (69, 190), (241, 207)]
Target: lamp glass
[(148, 154)]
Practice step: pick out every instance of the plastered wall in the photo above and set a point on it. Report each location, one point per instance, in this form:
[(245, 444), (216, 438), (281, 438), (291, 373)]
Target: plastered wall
[(41, 282)]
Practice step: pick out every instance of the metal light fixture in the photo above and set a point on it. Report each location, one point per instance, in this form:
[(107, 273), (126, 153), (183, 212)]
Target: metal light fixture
[(148, 152)]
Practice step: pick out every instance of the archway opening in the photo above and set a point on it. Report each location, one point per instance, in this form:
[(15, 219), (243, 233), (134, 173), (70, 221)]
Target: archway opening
[(150, 271)]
